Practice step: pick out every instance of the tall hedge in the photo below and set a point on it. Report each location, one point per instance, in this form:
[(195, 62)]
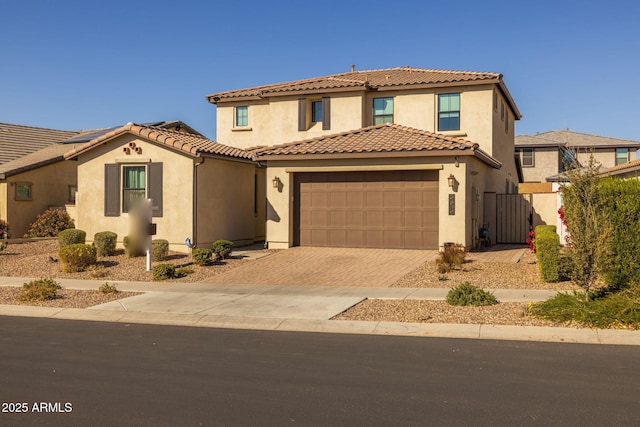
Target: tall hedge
[(548, 252)]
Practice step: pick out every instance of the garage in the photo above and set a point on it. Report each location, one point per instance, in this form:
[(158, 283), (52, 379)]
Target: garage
[(372, 209)]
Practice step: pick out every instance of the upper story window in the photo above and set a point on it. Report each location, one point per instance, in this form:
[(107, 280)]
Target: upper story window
[(622, 155), (134, 186), (568, 159), (242, 116), (382, 110), (23, 191), (316, 111), (527, 157), (449, 111)]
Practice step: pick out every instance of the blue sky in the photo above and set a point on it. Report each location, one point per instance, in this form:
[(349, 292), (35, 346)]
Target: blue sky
[(81, 64)]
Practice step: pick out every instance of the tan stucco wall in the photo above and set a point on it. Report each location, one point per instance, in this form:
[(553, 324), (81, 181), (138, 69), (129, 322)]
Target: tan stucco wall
[(458, 228), (49, 188), (225, 202), (176, 222), (3, 200), (545, 165)]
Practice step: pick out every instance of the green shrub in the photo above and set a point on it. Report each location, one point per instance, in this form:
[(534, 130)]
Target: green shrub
[(183, 271), (450, 257), (105, 242), (39, 290), (159, 249), (467, 294), (77, 257), (106, 288), (50, 223), (619, 309), (222, 248), (541, 229), (71, 236), (4, 229), (164, 271), (548, 253), (134, 247), (201, 256)]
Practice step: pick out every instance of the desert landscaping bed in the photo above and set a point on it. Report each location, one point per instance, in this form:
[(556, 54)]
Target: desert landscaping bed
[(66, 298)]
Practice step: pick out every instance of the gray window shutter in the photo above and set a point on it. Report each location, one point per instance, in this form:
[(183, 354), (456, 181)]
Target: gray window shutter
[(111, 190), (302, 114), (326, 113), (155, 187)]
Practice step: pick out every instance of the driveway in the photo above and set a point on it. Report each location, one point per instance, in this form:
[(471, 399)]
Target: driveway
[(328, 267)]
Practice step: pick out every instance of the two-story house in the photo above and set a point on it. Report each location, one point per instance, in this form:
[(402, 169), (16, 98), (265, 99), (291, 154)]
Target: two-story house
[(392, 158), (546, 155)]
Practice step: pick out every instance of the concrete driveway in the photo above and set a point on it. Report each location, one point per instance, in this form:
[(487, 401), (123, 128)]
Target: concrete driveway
[(328, 267)]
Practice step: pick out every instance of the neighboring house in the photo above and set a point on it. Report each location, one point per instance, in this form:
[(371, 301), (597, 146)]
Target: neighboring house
[(393, 158), (546, 155), (200, 189), (17, 141), (625, 170)]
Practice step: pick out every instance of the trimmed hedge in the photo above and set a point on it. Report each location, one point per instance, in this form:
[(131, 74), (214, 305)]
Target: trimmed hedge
[(77, 257), (159, 249), (164, 272), (71, 236), (105, 242), (548, 252), (223, 248), (201, 256)]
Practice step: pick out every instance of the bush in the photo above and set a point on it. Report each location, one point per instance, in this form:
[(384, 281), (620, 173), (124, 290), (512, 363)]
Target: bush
[(548, 253), (71, 236), (183, 271), (4, 229), (50, 223), (604, 311), (106, 288), (134, 247), (222, 248), (450, 257), (39, 290), (77, 257), (105, 242), (201, 256), (467, 294), (164, 271), (159, 249)]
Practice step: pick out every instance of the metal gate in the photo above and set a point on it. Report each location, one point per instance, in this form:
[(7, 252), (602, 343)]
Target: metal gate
[(514, 214)]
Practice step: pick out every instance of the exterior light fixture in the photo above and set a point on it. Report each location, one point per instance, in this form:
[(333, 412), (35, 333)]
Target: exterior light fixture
[(451, 180), (276, 182)]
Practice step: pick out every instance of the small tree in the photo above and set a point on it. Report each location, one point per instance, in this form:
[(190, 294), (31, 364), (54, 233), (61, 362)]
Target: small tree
[(587, 225)]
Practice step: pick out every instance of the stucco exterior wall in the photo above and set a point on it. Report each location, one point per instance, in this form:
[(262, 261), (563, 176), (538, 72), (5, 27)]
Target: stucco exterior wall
[(49, 188), (545, 165), (225, 202), (176, 221)]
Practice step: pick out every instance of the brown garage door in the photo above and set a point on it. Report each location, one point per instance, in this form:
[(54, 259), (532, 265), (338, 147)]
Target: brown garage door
[(386, 209)]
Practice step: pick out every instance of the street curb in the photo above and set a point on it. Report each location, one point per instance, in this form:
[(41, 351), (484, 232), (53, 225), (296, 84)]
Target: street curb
[(433, 330)]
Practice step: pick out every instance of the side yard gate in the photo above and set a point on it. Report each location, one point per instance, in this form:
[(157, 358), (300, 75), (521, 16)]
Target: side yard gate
[(514, 215)]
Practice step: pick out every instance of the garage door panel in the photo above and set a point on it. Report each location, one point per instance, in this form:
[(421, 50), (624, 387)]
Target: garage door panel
[(392, 209)]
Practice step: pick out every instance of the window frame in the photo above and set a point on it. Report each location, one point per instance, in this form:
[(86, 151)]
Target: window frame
[(73, 191), (24, 198), (386, 116), (236, 116), (619, 151), (126, 207), (522, 157), (442, 112), (316, 109)]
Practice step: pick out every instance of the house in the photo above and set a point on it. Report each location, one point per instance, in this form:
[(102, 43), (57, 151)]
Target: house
[(200, 189), (626, 170), (17, 140), (546, 155), (392, 158)]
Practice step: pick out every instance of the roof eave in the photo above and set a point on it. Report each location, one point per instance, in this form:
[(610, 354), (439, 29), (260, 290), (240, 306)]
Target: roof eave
[(507, 94)]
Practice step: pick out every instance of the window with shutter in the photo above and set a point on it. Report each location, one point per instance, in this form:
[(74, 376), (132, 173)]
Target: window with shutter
[(155, 187)]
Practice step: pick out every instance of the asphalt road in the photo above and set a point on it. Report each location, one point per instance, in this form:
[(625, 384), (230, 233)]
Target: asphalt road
[(90, 373)]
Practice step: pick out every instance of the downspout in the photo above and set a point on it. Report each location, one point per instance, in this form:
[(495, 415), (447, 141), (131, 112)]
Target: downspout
[(194, 219)]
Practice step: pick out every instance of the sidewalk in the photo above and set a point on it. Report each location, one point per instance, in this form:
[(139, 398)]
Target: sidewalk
[(296, 308)]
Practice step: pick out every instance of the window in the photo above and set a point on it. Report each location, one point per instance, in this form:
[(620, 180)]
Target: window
[(495, 101), (73, 189), (449, 111), (527, 158), (622, 155), (23, 191), (134, 186), (382, 110), (242, 116), (316, 111), (568, 159)]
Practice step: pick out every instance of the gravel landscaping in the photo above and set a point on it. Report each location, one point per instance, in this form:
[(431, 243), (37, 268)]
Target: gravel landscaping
[(66, 298)]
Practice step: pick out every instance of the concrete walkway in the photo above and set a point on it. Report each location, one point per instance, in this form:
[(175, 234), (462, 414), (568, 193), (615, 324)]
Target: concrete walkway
[(295, 308)]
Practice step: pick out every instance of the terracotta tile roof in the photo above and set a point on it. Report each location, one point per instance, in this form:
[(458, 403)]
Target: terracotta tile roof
[(386, 79), (17, 141), (556, 138), (380, 139), (194, 145), (633, 165)]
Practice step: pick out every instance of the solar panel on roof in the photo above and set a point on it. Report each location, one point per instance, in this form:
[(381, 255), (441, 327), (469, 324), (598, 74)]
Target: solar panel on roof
[(88, 136)]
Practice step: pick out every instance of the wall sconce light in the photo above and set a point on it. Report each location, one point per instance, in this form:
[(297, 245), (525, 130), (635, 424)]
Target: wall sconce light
[(276, 182), (451, 180)]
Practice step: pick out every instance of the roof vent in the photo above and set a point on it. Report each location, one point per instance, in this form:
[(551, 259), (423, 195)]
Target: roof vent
[(353, 68)]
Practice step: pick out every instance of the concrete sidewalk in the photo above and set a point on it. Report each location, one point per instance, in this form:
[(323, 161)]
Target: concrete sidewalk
[(295, 308)]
